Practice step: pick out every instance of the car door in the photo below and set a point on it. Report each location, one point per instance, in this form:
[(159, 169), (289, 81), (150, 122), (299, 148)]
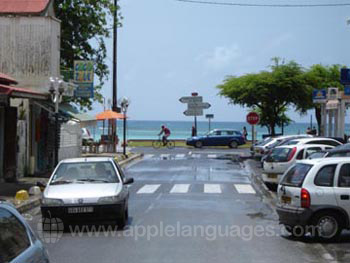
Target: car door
[(125, 190), (342, 188), (213, 139)]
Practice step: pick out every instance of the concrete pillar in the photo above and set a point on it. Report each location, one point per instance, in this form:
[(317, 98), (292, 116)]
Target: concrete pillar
[(330, 123), (323, 120), (341, 119), (336, 122), (2, 128)]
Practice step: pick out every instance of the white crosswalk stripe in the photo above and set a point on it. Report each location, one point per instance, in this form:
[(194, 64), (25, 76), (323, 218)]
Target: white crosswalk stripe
[(195, 155), (244, 189), (212, 189), (180, 189), (164, 156), (179, 156), (149, 156), (212, 156), (148, 189)]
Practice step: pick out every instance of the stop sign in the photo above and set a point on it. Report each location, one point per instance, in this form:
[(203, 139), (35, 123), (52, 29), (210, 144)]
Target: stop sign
[(253, 118)]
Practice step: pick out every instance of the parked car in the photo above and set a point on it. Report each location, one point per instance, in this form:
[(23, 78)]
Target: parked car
[(317, 155), (87, 190), (261, 150), (259, 143), (280, 142), (283, 157), (315, 140), (230, 138), (314, 195), (18, 242), (86, 136)]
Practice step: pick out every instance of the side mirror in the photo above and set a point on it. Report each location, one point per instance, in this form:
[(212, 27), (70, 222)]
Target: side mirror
[(129, 181)]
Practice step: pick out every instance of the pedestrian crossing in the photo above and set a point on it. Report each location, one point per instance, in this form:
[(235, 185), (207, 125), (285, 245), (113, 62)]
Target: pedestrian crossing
[(149, 189), (181, 156)]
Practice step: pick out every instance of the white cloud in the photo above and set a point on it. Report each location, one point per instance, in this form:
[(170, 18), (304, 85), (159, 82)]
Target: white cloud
[(220, 57)]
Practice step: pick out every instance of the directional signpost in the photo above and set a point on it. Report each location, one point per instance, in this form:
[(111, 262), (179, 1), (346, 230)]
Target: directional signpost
[(195, 106), (209, 117)]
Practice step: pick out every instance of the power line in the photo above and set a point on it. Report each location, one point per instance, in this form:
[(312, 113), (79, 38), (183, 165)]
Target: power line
[(262, 5)]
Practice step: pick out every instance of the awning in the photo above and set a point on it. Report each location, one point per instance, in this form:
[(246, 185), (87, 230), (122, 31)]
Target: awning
[(332, 104), (14, 92)]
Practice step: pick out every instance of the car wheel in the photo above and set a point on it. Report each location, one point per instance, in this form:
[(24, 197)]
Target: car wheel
[(199, 144), (327, 226), (122, 221), (233, 144)]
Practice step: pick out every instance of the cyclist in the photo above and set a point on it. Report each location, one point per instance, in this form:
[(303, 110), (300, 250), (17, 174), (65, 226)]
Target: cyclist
[(166, 132)]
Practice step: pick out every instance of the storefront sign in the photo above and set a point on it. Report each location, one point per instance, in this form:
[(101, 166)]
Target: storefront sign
[(84, 78), (319, 96)]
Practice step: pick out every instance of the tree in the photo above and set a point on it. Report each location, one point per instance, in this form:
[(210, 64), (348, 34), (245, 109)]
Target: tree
[(270, 92), (84, 28), (321, 77)]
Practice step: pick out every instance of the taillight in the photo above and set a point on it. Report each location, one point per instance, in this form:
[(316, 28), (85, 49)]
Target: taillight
[(291, 154), (305, 200)]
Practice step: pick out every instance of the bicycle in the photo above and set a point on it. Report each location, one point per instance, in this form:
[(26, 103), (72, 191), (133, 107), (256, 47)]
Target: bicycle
[(159, 143)]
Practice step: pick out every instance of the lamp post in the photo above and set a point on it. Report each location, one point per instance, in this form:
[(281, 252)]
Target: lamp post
[(124, 103), (56, 90)]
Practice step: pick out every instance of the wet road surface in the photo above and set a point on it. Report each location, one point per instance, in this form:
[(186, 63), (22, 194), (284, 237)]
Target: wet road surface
[(190, 206)]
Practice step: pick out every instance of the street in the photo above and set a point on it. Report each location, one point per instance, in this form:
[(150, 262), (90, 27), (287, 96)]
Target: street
[(191, 206)]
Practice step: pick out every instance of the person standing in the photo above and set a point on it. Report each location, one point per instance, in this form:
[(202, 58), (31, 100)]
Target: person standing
[(194, 131), (245, 133)]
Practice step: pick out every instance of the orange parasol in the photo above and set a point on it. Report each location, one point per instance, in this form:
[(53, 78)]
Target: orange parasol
[(109, 115)]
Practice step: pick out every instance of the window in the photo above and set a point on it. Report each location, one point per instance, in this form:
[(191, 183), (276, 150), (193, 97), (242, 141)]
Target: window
[(325, 176), (300, 155), (279, 155), (13, 236), (311, 150), (94, 171), (344, 176), (295, 176), (325, 142)]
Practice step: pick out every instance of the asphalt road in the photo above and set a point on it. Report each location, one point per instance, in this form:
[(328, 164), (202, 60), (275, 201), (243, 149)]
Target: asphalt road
[(190, 206)]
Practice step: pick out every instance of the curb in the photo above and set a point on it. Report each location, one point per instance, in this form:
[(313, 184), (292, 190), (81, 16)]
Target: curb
[(260, 183), (34, 202)]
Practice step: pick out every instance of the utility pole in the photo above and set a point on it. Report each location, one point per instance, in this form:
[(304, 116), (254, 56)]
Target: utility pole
[(114, 99)]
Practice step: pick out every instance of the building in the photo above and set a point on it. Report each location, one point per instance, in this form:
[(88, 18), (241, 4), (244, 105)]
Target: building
[(30, 54)]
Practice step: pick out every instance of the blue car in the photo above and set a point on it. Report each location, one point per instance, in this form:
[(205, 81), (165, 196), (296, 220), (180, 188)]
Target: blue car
[(230, 138), (18, 242)]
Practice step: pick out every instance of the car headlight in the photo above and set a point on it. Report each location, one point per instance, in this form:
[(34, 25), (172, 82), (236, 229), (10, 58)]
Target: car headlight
[(110, 199), (52, 202)]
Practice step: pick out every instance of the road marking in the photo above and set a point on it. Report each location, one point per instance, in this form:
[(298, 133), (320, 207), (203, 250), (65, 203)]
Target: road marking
[(164, 156), (245, 189), (148, 189), (180, 189), (180, 156), (196, 155), (212, 156), (149, 156), (212, 189)]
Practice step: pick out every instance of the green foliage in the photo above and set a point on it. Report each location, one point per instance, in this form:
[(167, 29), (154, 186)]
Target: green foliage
[(85, 24), (270, 92)]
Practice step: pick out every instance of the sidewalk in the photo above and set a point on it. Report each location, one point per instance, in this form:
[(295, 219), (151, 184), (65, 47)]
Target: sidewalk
[(9, 190)]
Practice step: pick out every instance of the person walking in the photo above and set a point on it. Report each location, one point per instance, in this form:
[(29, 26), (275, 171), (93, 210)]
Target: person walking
[(245, 133)]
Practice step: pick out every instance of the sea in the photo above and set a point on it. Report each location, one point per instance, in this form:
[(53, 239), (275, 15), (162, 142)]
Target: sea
[(149, 130)]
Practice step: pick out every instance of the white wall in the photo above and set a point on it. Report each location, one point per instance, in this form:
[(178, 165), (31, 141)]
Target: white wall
[(71, 141)]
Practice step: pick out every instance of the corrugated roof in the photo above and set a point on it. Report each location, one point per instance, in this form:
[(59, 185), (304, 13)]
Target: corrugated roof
[(6, 79), (23, 6)]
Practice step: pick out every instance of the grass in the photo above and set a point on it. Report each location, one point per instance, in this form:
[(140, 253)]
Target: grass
[(148, 143)]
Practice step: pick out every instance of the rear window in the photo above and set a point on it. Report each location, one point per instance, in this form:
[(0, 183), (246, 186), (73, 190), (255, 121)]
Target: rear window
[(296, 175), (293, 142), (279, 155)]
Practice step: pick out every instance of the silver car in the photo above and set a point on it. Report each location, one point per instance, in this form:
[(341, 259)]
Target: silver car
[(87, 190), (18, 242)]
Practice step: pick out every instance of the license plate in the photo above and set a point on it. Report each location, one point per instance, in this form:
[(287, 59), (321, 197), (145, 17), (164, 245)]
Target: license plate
[(272, 176), (80, 210), (286, 199)]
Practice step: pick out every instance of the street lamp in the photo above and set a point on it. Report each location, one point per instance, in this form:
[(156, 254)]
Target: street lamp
[(56, 90), (124, 104)]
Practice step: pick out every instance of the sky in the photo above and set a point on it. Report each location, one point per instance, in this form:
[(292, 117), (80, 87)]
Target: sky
[(169, 49)]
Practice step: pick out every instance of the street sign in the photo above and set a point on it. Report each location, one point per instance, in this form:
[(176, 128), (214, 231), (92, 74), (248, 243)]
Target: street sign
[(84, 78), (193, 112), (209, 116), (196, 99), (347, 90), (319, 96), (345, 76), (253, 118), (198, 105)]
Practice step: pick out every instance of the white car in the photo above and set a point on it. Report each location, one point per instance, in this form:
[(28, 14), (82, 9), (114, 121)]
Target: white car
[(315, 140), (85, 190), (283, 157), (314, 197), (266, 145)]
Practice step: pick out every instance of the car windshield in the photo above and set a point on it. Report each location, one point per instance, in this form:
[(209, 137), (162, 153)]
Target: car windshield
[(296, 175), (317, 155), (292, 142), (262, 143), (279, 155), (86, 172)]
